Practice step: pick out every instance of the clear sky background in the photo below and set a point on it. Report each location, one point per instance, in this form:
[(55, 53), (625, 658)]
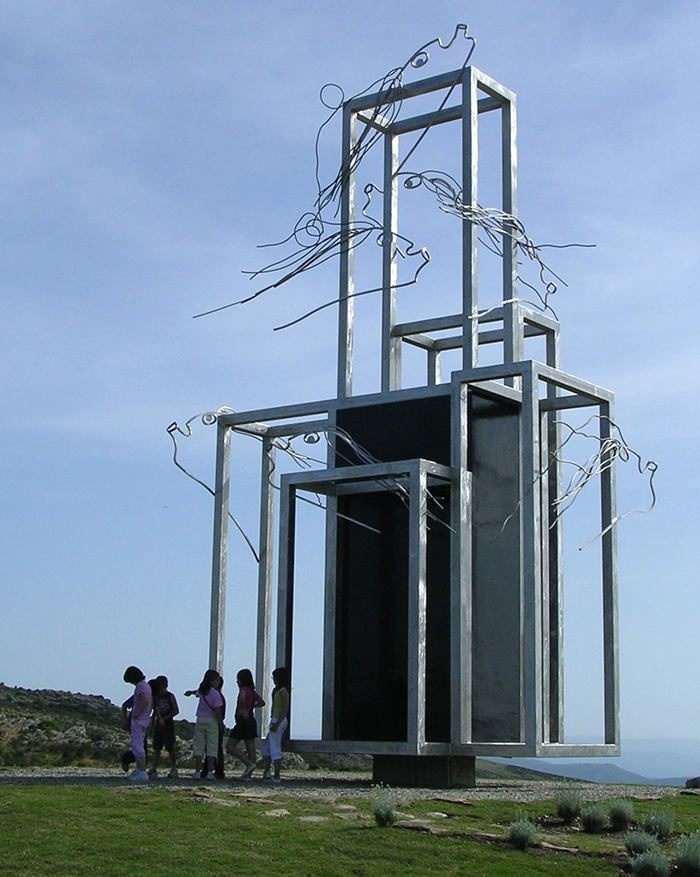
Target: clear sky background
[(148, 148)]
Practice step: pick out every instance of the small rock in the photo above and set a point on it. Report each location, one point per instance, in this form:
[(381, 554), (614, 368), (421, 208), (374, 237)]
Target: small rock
[(314, 819), (279, 812), (435, 814), (345, 807)]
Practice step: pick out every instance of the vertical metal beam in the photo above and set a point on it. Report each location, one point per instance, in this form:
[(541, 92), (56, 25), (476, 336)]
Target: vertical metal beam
[(609, 564), (531, 571), (470, 164), (460, 571), (434, 375), (391, 346), (417, 604), (512, 319), (346, 307), (546, 608), (267, 514), (552, 570), (330, 603), (285, 587), (218, 566)]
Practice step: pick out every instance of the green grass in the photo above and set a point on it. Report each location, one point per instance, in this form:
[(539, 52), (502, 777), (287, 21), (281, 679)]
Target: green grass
[(54, 831)]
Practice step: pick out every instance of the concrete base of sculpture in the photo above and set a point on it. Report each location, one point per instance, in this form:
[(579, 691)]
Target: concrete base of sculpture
[(425, 771)]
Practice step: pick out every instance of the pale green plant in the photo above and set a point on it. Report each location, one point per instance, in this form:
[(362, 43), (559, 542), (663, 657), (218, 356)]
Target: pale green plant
[(620, 814), (659, 823), (569, 804), (522, 833), (593, 818), (383, 806), (638, 842), (653, 863), (688, 856)]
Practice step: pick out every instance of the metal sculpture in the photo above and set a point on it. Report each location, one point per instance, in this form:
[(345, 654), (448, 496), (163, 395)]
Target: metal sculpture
[(443, 614)]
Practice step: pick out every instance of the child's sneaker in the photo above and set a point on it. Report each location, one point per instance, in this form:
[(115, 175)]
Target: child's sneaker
[(138, 776), (267, 776), (153, 773), (197, 775), (275, 780), (173, 775)]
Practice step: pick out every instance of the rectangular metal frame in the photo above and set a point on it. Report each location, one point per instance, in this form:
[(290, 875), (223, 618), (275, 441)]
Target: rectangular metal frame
[(542, 630), (479, 94)]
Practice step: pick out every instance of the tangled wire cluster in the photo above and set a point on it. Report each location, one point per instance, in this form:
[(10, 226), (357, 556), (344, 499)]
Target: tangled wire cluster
[(318, 235)]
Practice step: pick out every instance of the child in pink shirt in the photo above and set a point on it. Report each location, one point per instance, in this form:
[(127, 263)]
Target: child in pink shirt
[(209, 721), (140, 715)]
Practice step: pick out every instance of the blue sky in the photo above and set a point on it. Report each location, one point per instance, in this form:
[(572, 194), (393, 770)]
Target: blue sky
[(148, 148)]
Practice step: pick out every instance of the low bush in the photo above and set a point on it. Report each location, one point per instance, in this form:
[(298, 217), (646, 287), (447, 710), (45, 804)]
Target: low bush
[(638, 842), (569, 804), (659, 823), (688, 856), (650, 864), (383, 806), (522, 833), (620, 814), (594, 818)]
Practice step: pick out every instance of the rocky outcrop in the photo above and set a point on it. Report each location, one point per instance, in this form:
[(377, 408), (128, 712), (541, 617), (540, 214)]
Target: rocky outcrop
[(43, 727)]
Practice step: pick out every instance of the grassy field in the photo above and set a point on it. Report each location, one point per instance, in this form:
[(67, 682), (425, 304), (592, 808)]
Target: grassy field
[(77, 830)]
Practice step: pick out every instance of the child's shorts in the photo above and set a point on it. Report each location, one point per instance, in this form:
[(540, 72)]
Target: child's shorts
[(164, 736), (206, 737), (271, 746), (138, 739)]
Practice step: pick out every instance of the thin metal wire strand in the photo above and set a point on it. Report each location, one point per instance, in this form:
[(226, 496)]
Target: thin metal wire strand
[(206, 418), (608, 451)]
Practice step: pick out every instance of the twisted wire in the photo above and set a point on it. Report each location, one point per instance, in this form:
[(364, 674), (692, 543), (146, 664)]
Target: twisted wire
[(609, 450), (208, 418)]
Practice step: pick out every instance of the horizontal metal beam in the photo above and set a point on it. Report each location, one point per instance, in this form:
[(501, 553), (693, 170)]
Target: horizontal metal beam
[(436, 324), (376, 121), (425, 342), (411, 89), (578, 750), (534, 318), (574, 385), (490, 86), (561, 403), (302, 426), (310, 479), (448, 114), (280, 412)]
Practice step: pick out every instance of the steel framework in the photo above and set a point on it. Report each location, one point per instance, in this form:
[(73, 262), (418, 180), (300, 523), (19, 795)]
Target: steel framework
[(528, 609)]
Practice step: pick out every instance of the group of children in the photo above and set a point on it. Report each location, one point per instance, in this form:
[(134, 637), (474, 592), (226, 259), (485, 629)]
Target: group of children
[(153, 705)]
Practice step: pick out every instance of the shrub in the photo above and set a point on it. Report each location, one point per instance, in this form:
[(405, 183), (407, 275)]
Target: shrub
[(383, 806), (620, 814), (568, 805), (521, 833), (638, 842), (650, 864), (688, 856), (593, 818), (659, 823)]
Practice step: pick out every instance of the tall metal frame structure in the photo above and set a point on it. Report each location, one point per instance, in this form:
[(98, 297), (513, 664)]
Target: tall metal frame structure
[(528, 393)]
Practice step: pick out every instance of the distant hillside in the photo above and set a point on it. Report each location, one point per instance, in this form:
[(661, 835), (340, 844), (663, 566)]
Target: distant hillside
[(47, 728), (50, 728)]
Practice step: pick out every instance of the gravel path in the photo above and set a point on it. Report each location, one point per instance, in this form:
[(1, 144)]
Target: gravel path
[(328, 786)]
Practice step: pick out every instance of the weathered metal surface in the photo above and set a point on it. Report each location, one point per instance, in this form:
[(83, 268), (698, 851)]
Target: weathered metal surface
[(218, 567)]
